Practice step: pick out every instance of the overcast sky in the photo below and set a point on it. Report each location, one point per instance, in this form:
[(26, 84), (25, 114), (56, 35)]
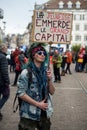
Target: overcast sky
[(17, 14)]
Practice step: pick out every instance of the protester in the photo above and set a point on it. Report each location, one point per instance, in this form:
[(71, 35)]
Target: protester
[(34, 111), (63, 64), (12, 62), (4, 78), (57, 60), (80, 61), (68, 61), (16, 53), (20, 60), (76, 62)]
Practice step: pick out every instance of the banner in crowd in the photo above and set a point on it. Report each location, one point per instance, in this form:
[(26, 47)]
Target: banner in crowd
[(53, 27)]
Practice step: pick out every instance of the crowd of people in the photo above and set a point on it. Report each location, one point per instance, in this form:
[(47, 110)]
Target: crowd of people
[(61, 64), (81, 60)]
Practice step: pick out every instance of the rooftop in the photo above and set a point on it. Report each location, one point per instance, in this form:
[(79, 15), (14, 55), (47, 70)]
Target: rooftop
[(66, 4)]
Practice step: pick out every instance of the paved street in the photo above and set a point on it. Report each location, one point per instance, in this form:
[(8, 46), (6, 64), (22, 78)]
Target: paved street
[(69, 100)]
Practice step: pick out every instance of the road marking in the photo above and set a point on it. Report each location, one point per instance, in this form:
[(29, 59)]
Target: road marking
[(81, 84)]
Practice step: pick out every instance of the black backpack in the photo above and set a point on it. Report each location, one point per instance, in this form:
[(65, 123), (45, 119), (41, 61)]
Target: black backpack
[(18, 99)]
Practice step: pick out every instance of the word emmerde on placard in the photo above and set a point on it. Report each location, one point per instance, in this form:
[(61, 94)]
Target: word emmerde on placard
[(52, 24)]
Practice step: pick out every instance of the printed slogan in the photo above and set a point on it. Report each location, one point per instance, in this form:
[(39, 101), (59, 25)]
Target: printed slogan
[(52, 26)]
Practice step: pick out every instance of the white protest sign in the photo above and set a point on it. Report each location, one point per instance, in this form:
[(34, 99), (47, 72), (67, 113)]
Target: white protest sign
[(52, 26)]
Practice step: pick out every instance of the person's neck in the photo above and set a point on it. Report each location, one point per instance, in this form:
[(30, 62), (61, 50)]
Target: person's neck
[(38, 65)]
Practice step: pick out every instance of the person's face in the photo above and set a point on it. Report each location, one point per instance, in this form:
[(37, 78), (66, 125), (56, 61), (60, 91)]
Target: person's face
[(56, 52), (5, 49), (40, 56)]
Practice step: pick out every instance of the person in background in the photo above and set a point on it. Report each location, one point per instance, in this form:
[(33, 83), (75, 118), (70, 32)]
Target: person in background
[(16, 53), (68, 61), (51, 65), (85, 62), (4, 78), (12, 62), (80, 61), (76, 62), (34, 111), (20, 60), (84, 59), (26, 52), (57, 60), (64, 57)]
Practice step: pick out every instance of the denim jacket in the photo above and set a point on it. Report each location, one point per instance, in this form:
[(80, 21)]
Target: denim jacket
[(28, 110)]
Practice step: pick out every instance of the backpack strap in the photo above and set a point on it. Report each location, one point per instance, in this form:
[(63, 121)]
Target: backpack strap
[(15, 108)]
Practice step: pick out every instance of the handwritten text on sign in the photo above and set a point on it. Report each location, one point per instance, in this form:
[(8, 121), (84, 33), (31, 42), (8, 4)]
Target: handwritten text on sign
[(52, 26)]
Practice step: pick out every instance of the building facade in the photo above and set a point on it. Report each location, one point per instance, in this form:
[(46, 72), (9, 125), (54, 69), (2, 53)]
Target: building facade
[(79, 10)]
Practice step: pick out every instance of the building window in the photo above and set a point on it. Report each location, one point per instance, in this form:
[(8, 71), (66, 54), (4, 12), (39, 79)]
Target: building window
[(77, 38), (38, 7), (85, 17), (82, 17), (85, 27), (74, 17), (85, 38), (69, 4), (78, 4), (78, 17), (77, 28), (61, 4)]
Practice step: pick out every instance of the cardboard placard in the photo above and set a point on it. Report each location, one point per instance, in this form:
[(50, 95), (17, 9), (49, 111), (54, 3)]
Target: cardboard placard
[(52, 26)]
